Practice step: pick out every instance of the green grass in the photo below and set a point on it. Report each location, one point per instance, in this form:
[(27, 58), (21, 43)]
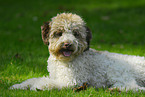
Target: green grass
[(117, 26)]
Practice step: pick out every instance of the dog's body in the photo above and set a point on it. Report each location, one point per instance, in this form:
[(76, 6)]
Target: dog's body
[(72, 62)]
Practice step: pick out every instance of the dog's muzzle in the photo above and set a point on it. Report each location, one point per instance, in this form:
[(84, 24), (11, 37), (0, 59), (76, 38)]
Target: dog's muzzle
[(67, 49)]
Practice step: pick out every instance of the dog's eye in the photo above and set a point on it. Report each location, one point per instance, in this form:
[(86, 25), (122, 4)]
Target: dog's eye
[(76, 33), (58, 34)]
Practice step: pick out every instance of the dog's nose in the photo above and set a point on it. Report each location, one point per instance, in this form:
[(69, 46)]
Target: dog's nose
[(67, 45)]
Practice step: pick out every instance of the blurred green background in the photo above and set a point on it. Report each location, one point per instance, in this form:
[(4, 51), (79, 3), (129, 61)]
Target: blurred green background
[(117, 26)]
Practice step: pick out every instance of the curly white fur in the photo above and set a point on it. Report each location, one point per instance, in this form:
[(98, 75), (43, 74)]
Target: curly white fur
[(99, 69)]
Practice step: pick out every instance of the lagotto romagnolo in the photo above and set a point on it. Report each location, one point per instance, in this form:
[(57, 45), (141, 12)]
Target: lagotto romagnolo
[(72, 62)]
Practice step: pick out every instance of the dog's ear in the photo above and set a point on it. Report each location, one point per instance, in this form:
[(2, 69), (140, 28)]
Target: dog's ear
[(45, 32), (89, 37)]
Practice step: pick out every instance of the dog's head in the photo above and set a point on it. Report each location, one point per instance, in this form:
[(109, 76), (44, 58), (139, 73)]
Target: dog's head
[(66, 35)]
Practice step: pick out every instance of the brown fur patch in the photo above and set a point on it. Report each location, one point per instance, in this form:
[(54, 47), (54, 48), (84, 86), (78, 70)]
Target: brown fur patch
[(45, 32), (89, 37)]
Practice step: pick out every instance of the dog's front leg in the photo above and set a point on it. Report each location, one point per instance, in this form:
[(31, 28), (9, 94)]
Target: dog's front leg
[(26, 84), (43, 83)]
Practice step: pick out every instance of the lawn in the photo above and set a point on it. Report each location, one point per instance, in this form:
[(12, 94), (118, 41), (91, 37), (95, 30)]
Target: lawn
[(117, 26)]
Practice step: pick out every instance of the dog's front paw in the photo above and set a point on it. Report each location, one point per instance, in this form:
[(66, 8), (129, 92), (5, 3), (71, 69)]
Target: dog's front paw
[(26, 85), (19, 86), (36, 84)]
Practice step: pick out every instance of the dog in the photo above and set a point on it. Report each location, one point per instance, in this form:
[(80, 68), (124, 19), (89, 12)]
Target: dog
[(72, 62)]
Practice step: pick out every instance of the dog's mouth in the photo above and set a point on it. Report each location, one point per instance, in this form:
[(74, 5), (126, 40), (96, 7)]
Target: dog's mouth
[(66, 52)]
